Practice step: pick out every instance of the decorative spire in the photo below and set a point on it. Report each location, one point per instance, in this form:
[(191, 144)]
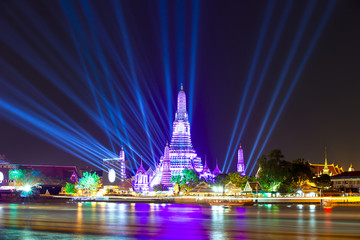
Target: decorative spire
[(240, 163), (181, 113), (351, 168), (141, 168), (326, 169), (181, 88), (167, 152), (325, 158), (216, 170)]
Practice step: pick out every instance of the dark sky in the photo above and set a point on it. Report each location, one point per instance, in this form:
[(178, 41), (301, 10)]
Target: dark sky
[(46, 45)]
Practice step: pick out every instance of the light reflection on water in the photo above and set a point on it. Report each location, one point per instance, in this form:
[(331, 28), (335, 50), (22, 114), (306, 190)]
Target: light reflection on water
[(175, 221)]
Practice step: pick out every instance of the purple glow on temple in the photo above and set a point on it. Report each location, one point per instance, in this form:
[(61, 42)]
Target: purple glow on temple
[(182, 153), (240, 164), (177, 157)]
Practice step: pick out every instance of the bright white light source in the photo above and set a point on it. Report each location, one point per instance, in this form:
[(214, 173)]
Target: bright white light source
[(112, 175), (1, 177), (27, 188)]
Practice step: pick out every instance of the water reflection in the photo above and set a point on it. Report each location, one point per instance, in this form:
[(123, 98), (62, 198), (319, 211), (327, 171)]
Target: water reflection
[(175, 221), (217, 222)]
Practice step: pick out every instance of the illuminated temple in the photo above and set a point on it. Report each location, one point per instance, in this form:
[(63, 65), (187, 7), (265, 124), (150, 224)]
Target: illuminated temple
[(180, 154)]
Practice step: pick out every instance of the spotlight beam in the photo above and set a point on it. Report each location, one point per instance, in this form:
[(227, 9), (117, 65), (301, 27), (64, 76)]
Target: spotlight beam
[(166, 50), (306, 57), (263, 73), (180, 46), (294, 46), (193, 47), (258, 48), (133, 72)]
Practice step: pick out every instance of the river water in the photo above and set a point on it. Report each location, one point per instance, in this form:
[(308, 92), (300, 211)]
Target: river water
[(176, 221)]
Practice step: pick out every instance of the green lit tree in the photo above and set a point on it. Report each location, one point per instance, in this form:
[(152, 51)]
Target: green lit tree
[(16, 174), (274, 170), (238, 180), (26, 177), (89, 183), (176, 179), (189, 179), (70, 188)]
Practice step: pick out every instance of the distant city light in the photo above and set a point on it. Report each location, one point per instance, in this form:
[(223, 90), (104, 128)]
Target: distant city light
[(112, 175)]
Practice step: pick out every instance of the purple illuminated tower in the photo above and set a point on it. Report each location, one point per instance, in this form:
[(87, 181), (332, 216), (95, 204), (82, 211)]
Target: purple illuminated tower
[(122, 163), (182, 153), (166, 172), (240, 164)]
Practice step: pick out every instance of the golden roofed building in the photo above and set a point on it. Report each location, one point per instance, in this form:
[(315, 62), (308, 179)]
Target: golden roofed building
[(329, 169)]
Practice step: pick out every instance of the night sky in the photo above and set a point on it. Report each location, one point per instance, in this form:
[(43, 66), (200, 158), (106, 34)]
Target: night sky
[(71, 52)]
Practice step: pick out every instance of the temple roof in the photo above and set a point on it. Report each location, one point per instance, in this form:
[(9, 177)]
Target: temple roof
[(333, 169), (217, 170), (206, 168), (141, 169)]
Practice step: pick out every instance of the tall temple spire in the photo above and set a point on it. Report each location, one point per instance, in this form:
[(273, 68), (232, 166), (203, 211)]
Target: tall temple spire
[(181, 112), (122, 163), (240, 164), (326, 169), (166, 172), (182, 153)]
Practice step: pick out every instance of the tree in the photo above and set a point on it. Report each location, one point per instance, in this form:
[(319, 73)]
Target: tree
[(300, 173), (274, 170), (188, 179), (16, 174), (70, 188), (89, 182), (176, 179), (160, 187), (238, 180), (222, 179), (323, 181), (26, 177)]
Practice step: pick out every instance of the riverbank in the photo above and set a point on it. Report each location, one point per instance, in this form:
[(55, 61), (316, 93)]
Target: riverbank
[(201, 200), (107, 220)]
